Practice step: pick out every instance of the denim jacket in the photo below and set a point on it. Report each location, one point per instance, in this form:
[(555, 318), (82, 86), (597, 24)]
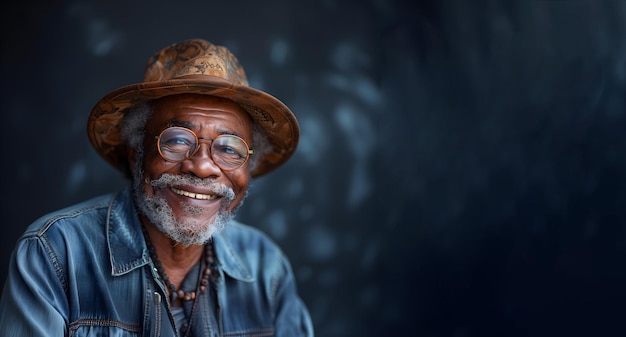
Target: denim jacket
[(85, 270)]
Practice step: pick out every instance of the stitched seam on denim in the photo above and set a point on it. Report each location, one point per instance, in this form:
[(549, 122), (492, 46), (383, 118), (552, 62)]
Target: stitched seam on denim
[(71, 214), (273, 292), (105, 323), (158, 313), (252, 333), (56, 264)]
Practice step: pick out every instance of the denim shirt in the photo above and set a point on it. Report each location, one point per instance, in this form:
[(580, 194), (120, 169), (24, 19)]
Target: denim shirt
[(86, 271)]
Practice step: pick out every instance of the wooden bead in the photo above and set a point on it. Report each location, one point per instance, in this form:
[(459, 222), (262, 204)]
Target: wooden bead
[(180, 294)]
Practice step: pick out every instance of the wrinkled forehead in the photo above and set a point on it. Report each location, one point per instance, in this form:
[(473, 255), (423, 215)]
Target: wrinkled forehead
[(200, 108)]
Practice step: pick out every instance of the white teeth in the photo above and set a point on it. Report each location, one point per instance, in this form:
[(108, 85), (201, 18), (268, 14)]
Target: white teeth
[(193, 195)]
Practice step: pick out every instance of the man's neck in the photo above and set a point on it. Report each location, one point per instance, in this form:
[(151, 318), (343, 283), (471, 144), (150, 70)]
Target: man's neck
[(176, 258)]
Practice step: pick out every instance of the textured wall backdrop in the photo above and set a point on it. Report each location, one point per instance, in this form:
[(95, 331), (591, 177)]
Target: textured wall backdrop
[(461, 170)]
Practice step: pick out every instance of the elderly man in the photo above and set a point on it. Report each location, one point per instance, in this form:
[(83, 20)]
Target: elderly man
[(164, 257)]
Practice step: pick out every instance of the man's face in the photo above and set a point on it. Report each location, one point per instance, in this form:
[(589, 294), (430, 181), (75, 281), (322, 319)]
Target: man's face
[(185, 199)]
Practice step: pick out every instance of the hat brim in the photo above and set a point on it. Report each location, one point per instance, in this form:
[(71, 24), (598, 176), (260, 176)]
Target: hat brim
[(272, 115)]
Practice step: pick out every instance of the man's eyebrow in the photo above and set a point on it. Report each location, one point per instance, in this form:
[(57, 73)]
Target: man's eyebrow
[(226, 132), (175, 122)]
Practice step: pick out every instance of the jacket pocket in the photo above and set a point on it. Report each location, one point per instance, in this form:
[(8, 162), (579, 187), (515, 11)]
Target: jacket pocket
[(103, 327)]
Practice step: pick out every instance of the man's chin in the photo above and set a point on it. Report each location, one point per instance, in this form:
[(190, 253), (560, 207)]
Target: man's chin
[(201, 229), (190, 218)]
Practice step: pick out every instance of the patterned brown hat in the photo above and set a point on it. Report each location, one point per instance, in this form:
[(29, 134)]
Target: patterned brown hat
[(199, 67)]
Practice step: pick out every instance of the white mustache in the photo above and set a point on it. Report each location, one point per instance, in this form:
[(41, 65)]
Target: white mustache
[(166, 180)]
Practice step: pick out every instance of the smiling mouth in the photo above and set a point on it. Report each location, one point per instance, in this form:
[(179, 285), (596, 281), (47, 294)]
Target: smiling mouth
[(198, 196)]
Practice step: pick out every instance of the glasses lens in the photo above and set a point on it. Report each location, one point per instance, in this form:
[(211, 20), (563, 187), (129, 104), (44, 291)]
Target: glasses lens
[(177, 144), (229, 152)]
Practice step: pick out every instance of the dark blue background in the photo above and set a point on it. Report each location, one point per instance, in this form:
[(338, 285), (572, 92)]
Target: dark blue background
[(461, 165)]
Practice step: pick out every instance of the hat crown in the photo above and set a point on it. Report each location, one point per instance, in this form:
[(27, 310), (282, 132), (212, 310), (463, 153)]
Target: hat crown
[(195, 57)]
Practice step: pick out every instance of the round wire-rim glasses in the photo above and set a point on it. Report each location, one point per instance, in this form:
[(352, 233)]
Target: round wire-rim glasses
[(177, 144)]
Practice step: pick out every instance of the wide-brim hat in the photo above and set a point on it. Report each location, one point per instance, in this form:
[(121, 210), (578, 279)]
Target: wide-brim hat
[(197, 67)]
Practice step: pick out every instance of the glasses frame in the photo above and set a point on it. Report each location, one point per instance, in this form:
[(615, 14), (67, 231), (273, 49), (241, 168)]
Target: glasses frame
[(198, 140)]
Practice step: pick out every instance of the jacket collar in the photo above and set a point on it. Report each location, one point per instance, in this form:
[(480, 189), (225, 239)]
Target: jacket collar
[(128, 250), (230, 259)]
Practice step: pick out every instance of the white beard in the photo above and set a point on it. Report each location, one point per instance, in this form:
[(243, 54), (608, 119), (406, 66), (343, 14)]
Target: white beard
[(189, 229)]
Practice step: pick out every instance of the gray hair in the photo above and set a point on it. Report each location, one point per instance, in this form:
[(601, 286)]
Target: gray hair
[(134, 131)]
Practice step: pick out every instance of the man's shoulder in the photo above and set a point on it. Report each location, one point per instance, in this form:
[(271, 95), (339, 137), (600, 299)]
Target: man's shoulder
[(242, 237), (240, 232), (76, 214)]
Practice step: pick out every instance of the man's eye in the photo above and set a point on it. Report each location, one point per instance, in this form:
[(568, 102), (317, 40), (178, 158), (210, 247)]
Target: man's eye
[(178, 141), (227, 150)]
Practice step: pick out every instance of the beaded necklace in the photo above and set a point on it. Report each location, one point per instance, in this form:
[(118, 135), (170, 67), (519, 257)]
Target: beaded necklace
[(206, 265)]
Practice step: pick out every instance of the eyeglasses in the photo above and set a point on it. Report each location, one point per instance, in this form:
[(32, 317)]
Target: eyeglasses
[(177, 144)]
